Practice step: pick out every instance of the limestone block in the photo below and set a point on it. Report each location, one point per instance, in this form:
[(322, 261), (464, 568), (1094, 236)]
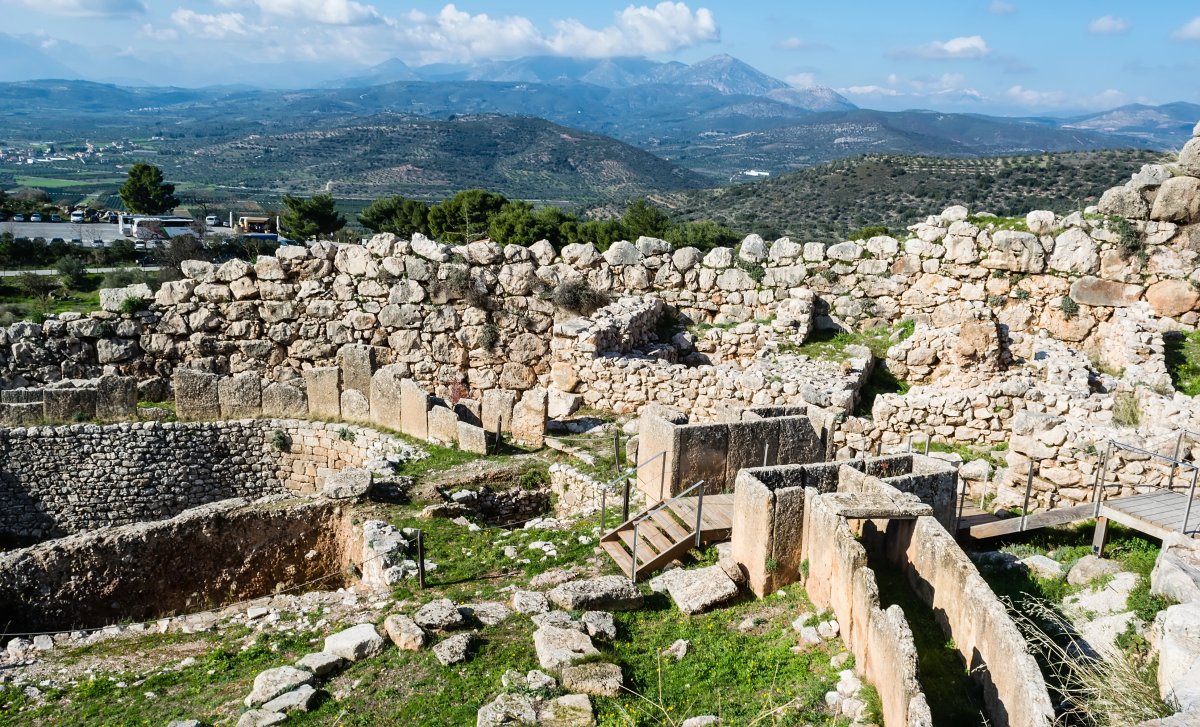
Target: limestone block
[(113, 299), (354, 406), (240, 395), (1124, 202), (1090, 290), (1075, 252), (1176, 573), (116, 397), (66, 405), (1172, 298), (1177, 634), (196, 395), (1040, 222), (529, 418), (323, 386), (285, 400), (498, 409), (355, 643), (386, 396), (560, 404), (1189, 158), (1178, 200), (357, 362), (558, 647), (443, 425), (472, 438), (414, 410)]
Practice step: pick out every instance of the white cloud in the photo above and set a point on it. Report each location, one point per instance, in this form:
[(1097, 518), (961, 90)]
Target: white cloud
[(453, 35), (220, 25), (868, 91), (1059, 99), (1188, 31), (948, 87), (999, 7), (159, 33), (800, 44), (326, 12), (88, 8), (664, 28), (801, 80), (963, 47), (1108, 24)]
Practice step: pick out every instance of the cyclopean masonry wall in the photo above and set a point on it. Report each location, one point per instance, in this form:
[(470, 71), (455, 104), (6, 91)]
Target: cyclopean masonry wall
[(69, 479)]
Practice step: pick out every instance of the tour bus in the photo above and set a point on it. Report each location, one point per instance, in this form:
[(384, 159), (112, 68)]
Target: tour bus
[(158, 228)]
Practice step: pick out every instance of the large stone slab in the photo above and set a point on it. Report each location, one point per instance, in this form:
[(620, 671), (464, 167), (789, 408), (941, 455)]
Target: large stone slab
[(529, 418), (606, 593), (597, 678), (404, 632), (569, 710), (357, 362), (414, 410), (323, 385), (116, 397), (355, 406), (386, 395), (196, 394), (355, 643), (472, 438), (286, 400), (443, 425), (1176, 573), (273, 682), (498, 409), (699, 590), (557, 647), (240, 395), (1177, 634), (1090, 290)]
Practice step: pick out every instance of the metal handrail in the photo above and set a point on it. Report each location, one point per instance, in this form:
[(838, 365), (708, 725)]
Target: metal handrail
[(650, 513), (604, 488)]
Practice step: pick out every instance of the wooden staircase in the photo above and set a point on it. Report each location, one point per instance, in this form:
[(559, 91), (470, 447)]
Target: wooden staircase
[(666, 531)]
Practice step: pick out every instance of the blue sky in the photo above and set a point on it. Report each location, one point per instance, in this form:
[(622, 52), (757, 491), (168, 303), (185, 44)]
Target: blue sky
[(1007, 56)]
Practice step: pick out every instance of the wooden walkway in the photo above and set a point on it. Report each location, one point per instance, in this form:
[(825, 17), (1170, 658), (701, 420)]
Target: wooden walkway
[(1157, 514), (664, 533)]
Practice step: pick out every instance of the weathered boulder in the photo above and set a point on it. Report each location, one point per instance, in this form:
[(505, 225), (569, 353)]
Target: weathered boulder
[(623, 252), (569, 710), (696, 591), (606, 593), (299, 699), (1075, 252), (404, 632), (320, 663), (1015, 251), (1089, 568), (530, 602), (1177, 633), (1172, 298), (1124, 202), (1189, 158), (1090, 290), (1040, 222), (355, 643), (1176, 573), (274, 682), (440, 615), (349, 483), (506, 710), (597, 678), (557, 647), (1178, 200), (454, 649), (113, 299)]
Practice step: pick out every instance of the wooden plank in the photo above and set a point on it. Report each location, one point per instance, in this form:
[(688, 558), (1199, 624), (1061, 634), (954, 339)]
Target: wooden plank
[(1145, 526), (1151, 509), (645, 553), (668, 524), (1035, 521), (619, 555), (649, 530)]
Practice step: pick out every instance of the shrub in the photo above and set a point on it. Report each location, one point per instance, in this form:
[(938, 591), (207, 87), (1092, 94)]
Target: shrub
[(132, 305), (1130, 242), (489, 336), (755, 270), (1020, 294), (997, 301), (280, 440), (576, 296), (345, 434), (1069, 307), (1126, 412), (868, 232)]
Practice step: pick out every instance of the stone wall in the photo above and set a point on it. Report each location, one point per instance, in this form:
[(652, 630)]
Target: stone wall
[(56, 481), (148, 570), (969, 612)]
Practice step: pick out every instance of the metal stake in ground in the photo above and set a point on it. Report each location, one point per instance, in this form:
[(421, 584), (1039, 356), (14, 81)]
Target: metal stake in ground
[(421, 560)]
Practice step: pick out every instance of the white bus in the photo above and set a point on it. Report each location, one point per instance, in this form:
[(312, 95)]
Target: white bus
[(160, 228)]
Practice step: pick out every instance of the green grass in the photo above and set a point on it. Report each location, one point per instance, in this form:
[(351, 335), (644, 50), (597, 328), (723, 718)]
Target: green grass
[(881, 381), (188, 693), (25, 307), (1183, 361), (440, 458), (832, 345), (954, 698), (1017, 224)]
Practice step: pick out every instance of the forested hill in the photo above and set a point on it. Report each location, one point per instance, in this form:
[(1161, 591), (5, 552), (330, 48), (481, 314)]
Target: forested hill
[(830, 201)]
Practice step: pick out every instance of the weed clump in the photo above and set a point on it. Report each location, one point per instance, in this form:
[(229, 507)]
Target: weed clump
[(577, 296)]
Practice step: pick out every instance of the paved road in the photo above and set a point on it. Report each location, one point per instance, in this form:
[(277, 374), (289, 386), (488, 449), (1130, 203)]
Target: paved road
[(14, 273), (74, 231)]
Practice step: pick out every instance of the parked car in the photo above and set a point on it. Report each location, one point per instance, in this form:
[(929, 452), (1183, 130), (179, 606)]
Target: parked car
[(18, 217), (55, 218), (212, 221), (35, 217), (77, 216)]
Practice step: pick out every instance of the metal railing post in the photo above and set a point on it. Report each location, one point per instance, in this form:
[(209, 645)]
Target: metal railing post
[(603, 507), (699, 514), (662, 477), (1028, 489), (421, 559), (625, 500), (1175, 464), (910, 436), (962, 498), (633, 553), (927, 440), (1102, 478), (1187, 513)]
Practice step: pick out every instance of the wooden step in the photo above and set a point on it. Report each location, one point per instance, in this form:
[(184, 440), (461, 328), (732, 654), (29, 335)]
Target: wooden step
[(619, 555), (645, 553), (670, 525), (649, 531)]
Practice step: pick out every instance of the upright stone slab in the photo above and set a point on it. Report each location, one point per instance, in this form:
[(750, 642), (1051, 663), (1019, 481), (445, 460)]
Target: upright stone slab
[(196, 395), (472, 438), (240, 395), (498, 409), (116, 397), (324, 391), (357, 362), (386, 393), (284, 399), (443, 425), (355, 406), (529, 418), (66, 405), (414, 410), (469, 411)]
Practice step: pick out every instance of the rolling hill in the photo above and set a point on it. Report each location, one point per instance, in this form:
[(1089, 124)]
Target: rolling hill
[(828, 202)]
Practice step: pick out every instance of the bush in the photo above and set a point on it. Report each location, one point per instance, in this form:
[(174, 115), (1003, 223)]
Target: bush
[(490, 336), (70, 272), (132, 305), (1126, 412), (576, 296), (755, 270), (1130, 242), (1069, 307), (280, 440)]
